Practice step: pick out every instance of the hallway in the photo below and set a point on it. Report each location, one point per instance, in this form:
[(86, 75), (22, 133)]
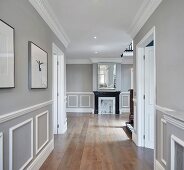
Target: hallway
[(97, 142)]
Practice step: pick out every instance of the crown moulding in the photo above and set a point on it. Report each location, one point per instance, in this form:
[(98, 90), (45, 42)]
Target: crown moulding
[(44, 10), (100, 60), (146, 10)]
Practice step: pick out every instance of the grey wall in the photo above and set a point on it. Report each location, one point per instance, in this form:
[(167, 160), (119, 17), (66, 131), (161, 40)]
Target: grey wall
[(169, 52), (29, 26), (167, 20), (126, 77), (79, 77)]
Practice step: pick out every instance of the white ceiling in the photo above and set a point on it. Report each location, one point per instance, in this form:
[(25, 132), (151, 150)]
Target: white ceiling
[(110, 21)]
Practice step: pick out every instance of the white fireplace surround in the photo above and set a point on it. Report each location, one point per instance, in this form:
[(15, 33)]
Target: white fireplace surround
[(106, 105)]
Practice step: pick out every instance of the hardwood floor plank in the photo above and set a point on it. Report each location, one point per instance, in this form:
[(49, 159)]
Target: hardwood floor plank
[(97, 142)]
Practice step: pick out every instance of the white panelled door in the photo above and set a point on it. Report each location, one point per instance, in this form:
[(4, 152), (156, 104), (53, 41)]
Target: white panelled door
[(149, 97)]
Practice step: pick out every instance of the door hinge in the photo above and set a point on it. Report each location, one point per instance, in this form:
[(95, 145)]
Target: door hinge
[(57, 94), (144, 96), (57, 62), (58, 126), (143, 136), (144, 57)]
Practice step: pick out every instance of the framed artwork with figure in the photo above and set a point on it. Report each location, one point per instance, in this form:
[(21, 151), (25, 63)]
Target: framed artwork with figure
[(38, 67), (7, 56)]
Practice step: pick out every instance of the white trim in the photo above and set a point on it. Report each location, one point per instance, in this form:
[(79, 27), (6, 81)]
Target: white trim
[(174, 140), (78, 61), (123, 60), (174, 122), (79, 93), (47, 139), (163, 109), (58, 85), (40, 159), (158, 166), (143, 14), (172, 113), (80, 110), (126, 92), (132, 78), (11, 143), (45, 11), (111, 60), (134, 137), (18, 113), (163, 122), (140, 86), (122, 100), (81, 100), (76, 101), (128, 53), (1, 151)]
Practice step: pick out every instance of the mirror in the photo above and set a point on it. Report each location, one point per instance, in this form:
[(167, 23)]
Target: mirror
[(107, 76)]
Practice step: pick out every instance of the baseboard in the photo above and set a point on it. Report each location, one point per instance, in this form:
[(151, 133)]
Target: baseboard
[(80, 110), (158, 166), (40, 159), (134, 138), (64, 129)]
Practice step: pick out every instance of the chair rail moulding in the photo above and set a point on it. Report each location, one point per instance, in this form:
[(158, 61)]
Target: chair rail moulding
[(21, 112)]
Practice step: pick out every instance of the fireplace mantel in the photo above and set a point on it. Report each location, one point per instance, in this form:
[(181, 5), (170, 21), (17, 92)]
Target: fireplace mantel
[(107, 94)]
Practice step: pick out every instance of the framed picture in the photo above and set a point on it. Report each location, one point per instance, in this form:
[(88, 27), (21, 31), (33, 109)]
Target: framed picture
[(7, 56), (38, 67)]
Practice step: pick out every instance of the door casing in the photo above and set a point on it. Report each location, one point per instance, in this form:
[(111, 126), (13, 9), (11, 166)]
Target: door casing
[(59, 100)]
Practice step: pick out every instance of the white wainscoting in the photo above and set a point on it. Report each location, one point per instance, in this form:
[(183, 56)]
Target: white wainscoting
[(37, 129), (1, 151), (42, 156), (78, 99), (69, 100), (124, 98), (89, 101), (11, 131), (163, 123)]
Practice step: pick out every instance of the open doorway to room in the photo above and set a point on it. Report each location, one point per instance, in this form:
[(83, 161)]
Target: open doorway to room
[(146, 90), (59, 105)]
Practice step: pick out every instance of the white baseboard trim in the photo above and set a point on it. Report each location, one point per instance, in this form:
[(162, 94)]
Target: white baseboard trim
[(80, 110), (134, 138), (64, 129), (125, 110), (40, 159), (158, 166), (13, 115)]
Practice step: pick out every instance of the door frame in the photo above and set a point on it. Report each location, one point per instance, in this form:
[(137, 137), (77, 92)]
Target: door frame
[(139, 114), (58, 119)]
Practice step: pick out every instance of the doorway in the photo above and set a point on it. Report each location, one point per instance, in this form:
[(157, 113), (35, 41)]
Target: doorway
[(146, 91), (59, 101)]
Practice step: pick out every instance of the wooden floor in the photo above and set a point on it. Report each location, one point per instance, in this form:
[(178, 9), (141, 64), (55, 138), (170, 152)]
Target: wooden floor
[(97, 142)]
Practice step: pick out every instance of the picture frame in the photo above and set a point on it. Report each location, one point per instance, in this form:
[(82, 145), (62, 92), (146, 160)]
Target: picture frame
[(7, 56), (38, 67)]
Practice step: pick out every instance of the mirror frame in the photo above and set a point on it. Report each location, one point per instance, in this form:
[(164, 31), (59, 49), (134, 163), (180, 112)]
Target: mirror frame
[(103, 88)]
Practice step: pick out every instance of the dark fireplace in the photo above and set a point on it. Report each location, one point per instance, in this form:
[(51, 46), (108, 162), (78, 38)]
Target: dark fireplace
[(114, 94)]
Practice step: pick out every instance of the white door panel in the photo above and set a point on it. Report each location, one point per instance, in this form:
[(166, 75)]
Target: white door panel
[(149, 97)]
